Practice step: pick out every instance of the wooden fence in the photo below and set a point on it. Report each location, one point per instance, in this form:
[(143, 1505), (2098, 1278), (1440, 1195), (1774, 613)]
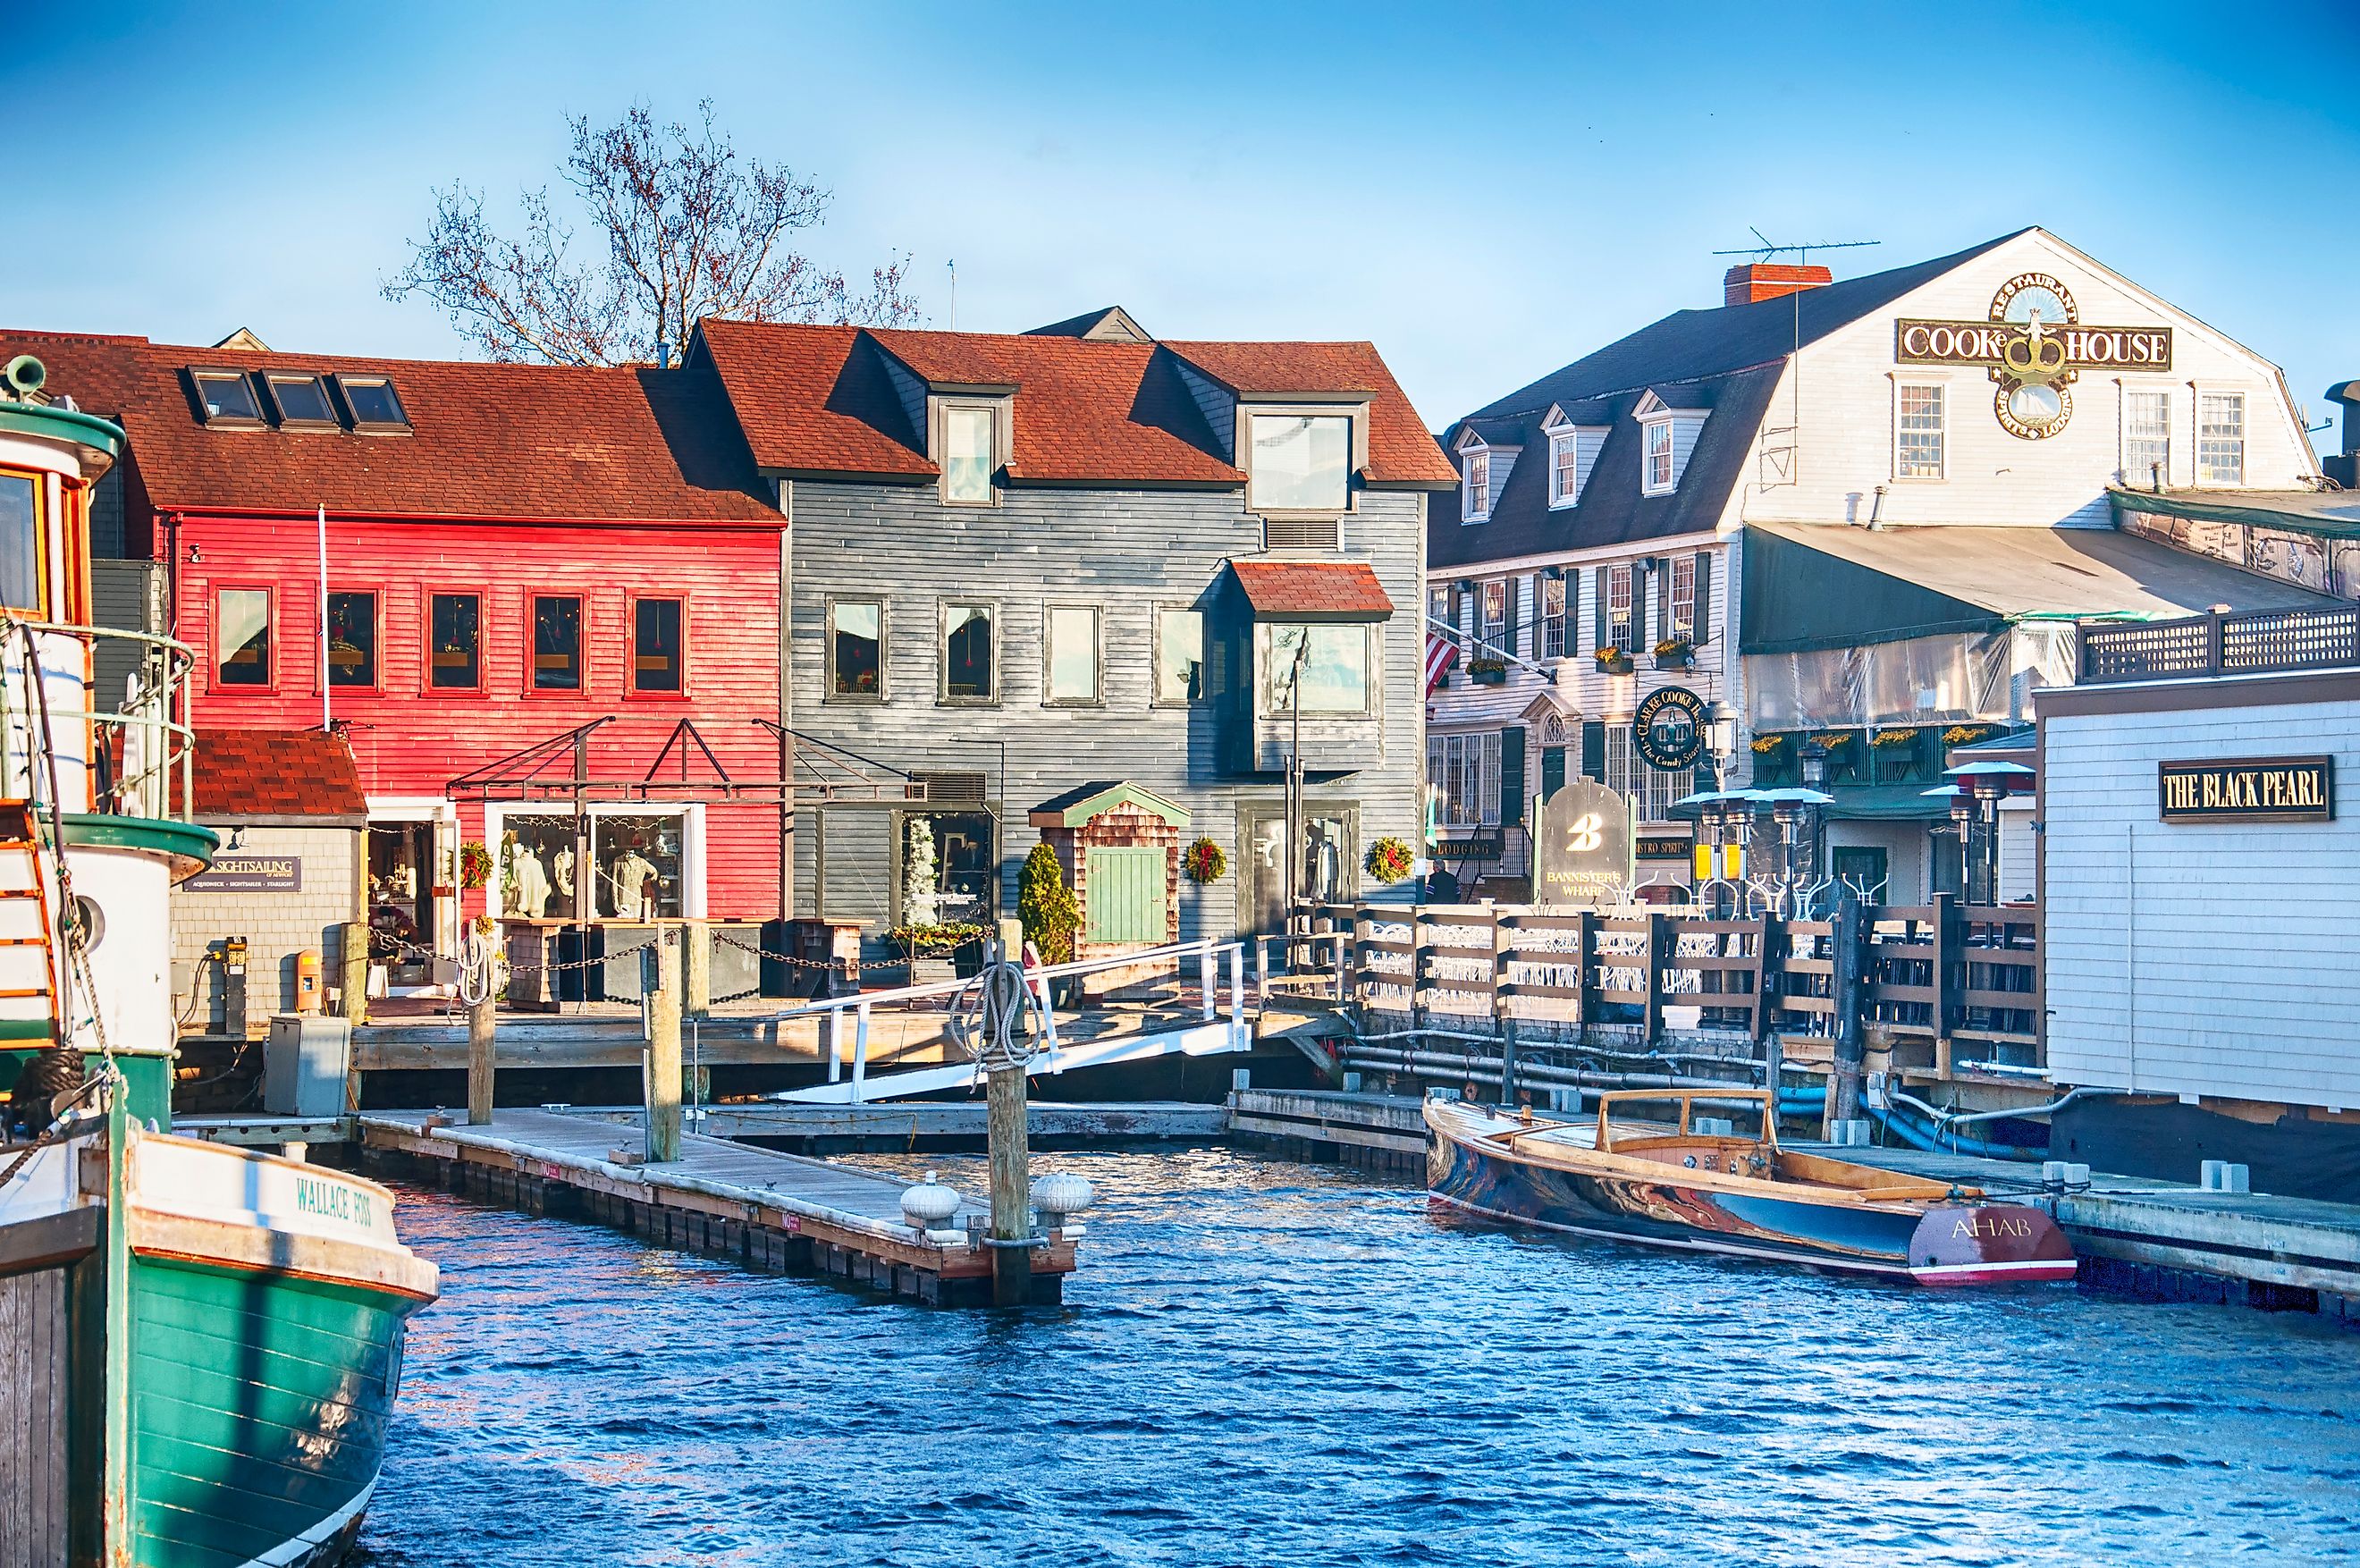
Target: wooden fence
[(1937, 982)]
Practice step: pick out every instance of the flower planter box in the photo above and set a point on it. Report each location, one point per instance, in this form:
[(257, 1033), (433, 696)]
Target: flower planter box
[(931, 970), (1682, 661), (1620, 665), (1487, 677)]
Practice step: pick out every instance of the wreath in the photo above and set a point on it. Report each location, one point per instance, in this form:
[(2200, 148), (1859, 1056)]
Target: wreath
[(1389, 860), (1204, 861), (474, 865)]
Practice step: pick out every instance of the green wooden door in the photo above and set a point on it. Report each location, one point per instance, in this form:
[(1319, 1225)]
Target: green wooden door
[(1125, 891)]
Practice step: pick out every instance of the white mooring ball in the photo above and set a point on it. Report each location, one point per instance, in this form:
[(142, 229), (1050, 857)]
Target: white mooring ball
[(929, 1203), (1060, 1194)]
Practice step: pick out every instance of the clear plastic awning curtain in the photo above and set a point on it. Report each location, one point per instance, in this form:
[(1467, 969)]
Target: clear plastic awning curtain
[(1985, 675)]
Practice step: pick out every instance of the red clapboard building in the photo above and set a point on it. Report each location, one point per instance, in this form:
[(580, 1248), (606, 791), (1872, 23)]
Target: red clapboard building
[(512, 553)]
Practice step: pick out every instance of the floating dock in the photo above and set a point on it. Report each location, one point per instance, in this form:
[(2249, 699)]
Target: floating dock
[(782, 1212)]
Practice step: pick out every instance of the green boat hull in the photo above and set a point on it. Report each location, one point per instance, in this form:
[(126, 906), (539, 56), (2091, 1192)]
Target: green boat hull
[(258, 1409)]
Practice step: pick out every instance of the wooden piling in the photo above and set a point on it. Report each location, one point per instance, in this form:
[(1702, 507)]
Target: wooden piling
[(482, 1033), (663, 1050), (1847, 988)]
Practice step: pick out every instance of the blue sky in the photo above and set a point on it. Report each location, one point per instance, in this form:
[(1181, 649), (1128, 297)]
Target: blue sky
[(1486, 193)]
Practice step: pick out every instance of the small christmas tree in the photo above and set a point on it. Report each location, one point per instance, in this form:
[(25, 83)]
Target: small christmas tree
[(918, 907), (1045, 904)]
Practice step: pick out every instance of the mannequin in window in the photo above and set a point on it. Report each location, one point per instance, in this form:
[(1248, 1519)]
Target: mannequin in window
[(561, 868), (635, 879), (530, 882)]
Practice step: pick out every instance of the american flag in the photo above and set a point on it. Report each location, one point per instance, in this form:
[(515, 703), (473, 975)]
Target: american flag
[(1441, 652)]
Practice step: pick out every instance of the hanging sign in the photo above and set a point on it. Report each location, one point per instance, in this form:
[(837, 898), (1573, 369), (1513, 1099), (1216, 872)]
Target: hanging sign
[(2035, 346), (1584, 836), (249, 873), (1487, 845), (2246, 789), (1668, 729)]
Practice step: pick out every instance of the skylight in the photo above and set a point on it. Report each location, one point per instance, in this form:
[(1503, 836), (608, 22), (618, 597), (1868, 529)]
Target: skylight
[(302, 401), (375, 406), (227, 397)]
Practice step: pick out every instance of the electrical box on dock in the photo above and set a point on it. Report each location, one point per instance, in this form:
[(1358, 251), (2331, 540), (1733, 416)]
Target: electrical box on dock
[(304, 1063)]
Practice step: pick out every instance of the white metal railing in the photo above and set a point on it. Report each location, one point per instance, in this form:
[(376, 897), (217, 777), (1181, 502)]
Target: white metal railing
[(155, 777), (1216, 962)]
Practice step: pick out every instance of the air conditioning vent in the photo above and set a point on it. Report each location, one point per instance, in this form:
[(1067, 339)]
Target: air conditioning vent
[(953, 789), (1301, 536)]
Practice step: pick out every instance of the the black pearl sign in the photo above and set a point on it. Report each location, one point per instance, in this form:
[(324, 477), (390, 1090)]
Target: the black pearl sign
[(1668, 729)]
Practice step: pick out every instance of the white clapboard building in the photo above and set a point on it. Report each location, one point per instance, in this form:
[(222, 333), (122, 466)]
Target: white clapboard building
[(1867, 514)]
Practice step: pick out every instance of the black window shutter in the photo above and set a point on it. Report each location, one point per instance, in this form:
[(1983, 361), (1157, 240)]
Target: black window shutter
[(1593, 748), (1703, 632), (1603, 577), (1511, 774), (1508, 640), (1662, 601)]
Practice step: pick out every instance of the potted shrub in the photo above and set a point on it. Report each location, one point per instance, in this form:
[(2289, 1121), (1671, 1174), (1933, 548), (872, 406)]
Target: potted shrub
[(1613, 661), (1045, 906), (1674, 654), (1487, 672)]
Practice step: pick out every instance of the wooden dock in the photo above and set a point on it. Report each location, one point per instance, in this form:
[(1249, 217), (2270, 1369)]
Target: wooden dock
[(782, 1212), (893, 1126)]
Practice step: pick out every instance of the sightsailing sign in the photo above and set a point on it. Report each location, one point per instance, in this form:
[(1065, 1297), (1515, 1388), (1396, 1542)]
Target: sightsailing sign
[(2036, 346), (1585, 846), (2247, 789)]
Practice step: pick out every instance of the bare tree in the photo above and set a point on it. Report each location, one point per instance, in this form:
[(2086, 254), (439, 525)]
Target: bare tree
[(692, 230)]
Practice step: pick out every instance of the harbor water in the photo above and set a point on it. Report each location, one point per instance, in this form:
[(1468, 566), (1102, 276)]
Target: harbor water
[(1263, 1363)]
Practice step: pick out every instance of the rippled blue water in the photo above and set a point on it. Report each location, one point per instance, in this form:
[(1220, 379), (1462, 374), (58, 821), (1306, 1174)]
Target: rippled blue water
[(1264, 1362)]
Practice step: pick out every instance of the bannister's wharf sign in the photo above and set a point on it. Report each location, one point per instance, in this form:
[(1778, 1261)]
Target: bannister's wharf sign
[(2247, 789)]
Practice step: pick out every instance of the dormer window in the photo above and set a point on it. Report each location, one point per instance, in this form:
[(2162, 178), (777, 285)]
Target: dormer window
[(1659, 457), (228, 400), (1299, 462), (376, 408), (300, 401), (1475, 484), (1573, 453), (970, 452), (1666, 435)]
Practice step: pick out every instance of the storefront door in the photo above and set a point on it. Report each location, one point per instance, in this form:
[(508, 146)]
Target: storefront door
[(1329, 865), (401, 899)]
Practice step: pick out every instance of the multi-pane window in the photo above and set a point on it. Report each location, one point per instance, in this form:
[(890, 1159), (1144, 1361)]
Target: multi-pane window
[(855, 648), (557, 645), (1617, 580), (1552, 610), (1335, 670), (242, 633), (1565, 468), (352, 640), (1299, 462), (2221, 438), (1653, 789), (969, 459), (1494, 630), (1072, 656), (2147, 437), (1465, 773), (1440, 613), (1681, 572), (1918, 439), (1179, 655), (1659, 457), (1475, 486), (656, 646), (969, 654), (455, 642), (20, 543)]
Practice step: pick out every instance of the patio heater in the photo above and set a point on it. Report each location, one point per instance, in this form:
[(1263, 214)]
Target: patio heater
[(1814, 758), (1981, 788)]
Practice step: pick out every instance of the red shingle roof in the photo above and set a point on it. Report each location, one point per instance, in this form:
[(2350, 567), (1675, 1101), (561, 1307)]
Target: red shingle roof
[(1338, 589), (488, 440), (830, 400), (276, 773)]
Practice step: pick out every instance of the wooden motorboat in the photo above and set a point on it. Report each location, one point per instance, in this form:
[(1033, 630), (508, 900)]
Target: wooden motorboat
[(1664, 1184)]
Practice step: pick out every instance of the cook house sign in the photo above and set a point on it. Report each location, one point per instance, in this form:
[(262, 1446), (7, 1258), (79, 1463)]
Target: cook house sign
[(2036, 346)]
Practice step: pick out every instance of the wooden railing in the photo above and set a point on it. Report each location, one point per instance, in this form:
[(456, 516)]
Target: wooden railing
[(2257, 642), (1938, 984)]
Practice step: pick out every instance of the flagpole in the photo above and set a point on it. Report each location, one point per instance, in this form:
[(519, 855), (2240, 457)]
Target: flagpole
[(327, 717)]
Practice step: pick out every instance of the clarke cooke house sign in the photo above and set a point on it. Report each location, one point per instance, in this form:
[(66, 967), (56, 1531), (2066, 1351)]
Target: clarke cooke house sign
[(2035, 346), (1667, 731), (2247, 789)]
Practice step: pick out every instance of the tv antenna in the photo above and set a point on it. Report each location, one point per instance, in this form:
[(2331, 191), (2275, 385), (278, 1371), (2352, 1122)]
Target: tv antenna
[(1801, 253)]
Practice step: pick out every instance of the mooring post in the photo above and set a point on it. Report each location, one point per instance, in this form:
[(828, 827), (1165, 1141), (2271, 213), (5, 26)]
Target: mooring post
[(483, 1043), (1851, 1001), (663, 1050), (353, 950), (1503, 1009), (1007, 1135)]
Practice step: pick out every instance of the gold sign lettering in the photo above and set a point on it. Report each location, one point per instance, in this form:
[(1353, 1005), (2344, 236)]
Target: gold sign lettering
[(2271, 789)]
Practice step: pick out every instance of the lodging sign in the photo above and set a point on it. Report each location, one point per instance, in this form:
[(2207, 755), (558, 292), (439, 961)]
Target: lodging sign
[(249, 873), (2036, 346), (2246, 789), (1584, 837)]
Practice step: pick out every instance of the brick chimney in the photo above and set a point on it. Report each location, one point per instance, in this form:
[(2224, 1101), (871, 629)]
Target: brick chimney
[(1768, 279)]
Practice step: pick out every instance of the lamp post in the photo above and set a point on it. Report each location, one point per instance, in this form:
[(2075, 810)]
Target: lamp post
[(1989, 789)]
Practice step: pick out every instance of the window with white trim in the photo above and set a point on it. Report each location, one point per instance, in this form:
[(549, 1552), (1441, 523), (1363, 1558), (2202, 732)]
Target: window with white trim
[(1659, 457), (1465, 771), (2221, 438), (1682, 570), (1565, 468), (1618, 606), (970, 455), (1917, 433), (1494, 628), (1441, 606), (1299, 462), (1627, 771), (2146, 436), (1475, 486), (1552, 613)]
